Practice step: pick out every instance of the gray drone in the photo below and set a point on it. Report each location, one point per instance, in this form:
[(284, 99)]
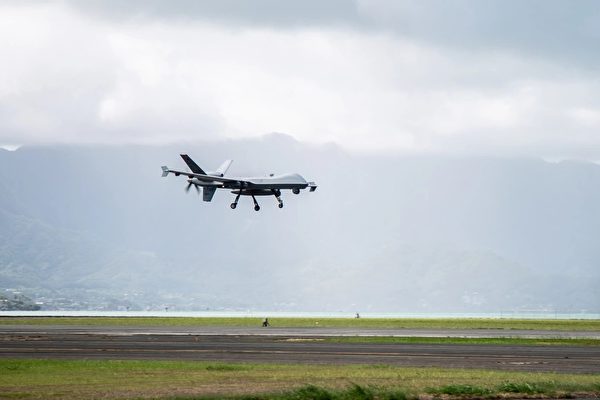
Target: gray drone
[(271, 185)]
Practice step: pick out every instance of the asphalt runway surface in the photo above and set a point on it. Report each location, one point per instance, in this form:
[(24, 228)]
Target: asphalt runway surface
[(274, 345), (299, 332)]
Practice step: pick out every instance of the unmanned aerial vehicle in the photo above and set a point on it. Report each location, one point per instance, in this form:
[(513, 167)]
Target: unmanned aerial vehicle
[(209, 182)]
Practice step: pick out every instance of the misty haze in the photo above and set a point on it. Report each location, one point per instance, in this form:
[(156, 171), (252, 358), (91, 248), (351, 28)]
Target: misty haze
[(97, 228)]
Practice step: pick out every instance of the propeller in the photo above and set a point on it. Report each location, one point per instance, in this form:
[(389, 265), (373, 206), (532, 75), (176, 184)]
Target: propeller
[(188, 187)]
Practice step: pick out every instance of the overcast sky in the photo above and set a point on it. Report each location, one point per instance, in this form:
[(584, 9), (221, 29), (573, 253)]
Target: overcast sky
[(480, 77)]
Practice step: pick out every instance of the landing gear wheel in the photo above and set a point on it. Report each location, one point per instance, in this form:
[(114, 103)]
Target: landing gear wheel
[(233, 206), (280, 205), (256, 206)]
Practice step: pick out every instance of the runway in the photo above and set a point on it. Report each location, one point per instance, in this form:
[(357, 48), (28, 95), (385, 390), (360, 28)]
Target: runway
[(298, 332), (281, 345)]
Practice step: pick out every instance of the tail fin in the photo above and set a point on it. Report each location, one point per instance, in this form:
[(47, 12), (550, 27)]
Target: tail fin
[(165, 170), (192, 165), (208, 193), (224, 167)]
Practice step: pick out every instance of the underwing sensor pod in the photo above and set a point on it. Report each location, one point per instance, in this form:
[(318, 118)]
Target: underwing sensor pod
[(209, 182)]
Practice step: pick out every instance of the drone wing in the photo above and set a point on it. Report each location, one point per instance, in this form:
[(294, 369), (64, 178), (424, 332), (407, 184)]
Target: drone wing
[(201, 177)]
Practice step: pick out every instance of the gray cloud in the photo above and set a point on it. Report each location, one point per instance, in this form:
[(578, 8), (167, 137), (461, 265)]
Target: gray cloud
[(544, 28), (548, 29), (270, 13), (463, 77)]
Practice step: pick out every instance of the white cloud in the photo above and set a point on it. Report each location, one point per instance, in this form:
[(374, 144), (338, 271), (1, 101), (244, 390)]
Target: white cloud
[(585, 116), (10, 147), (76, 78)]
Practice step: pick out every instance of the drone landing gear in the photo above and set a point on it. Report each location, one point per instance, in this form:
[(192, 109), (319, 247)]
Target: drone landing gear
[(277, 193), (234, 204)]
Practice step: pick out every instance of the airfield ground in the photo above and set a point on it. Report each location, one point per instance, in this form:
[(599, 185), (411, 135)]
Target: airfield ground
[(343, 358)]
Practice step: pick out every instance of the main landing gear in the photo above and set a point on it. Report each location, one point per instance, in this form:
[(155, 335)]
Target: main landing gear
[(234, 204), (275, 192), (256, 206)]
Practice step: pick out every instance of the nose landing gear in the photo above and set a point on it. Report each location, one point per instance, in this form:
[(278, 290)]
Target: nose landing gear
[(277, 194)]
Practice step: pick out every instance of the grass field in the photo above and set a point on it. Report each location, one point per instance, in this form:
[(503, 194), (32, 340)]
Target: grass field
[(46, 379), (376, 323)]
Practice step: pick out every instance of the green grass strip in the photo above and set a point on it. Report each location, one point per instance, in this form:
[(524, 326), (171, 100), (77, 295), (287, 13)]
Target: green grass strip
[(373, 323), (65, 379)]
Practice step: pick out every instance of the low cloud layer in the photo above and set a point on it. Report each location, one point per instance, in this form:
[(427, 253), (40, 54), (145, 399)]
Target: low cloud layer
[(467, 77)]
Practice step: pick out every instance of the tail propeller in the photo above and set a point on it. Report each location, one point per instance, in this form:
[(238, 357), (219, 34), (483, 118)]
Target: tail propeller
[(189, 186)]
